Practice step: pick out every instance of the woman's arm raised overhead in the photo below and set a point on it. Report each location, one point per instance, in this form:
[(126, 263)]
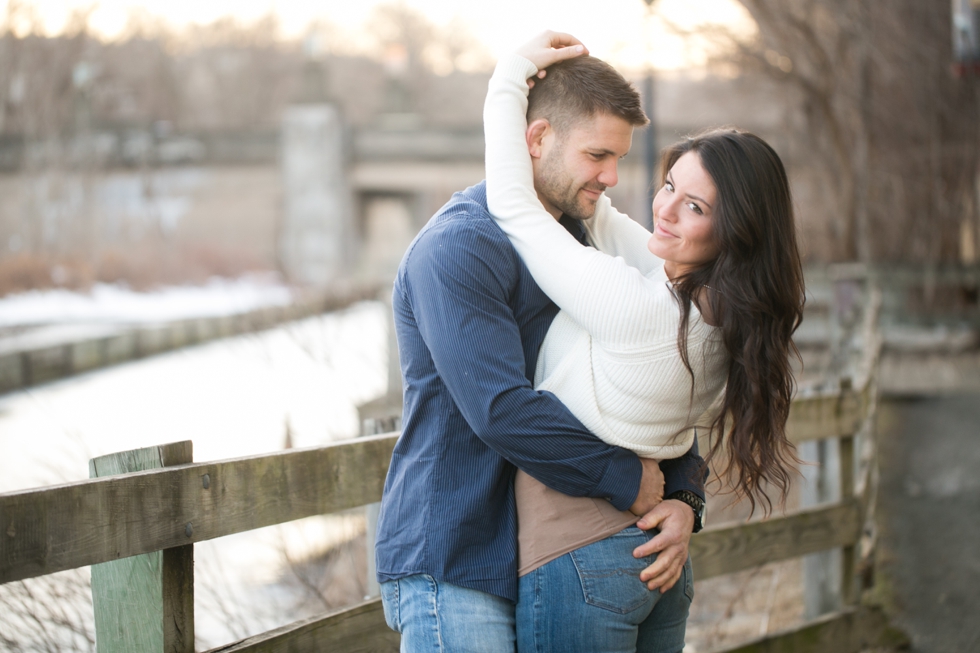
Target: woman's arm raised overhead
[(611, 299), (617, 234)]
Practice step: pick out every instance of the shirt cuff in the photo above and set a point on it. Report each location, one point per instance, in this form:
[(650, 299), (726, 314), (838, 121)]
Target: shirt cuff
[(621, 482), (683, 477)]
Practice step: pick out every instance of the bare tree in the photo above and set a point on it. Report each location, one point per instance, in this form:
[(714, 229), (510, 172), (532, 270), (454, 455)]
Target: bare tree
[(892, 130)]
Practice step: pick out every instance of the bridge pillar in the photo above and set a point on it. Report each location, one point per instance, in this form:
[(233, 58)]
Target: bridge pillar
[(317, 237)]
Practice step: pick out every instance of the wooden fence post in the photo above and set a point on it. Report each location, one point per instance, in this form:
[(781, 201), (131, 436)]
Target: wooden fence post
[(821, 571), (848, 557), (145, 603)]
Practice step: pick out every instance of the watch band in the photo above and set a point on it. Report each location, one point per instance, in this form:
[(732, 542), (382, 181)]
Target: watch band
[(696, 503)]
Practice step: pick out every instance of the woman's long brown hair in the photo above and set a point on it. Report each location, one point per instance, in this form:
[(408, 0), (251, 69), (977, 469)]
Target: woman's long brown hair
[(755, 294)]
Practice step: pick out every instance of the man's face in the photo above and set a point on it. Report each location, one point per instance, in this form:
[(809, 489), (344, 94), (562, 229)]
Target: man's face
[(578, 165)]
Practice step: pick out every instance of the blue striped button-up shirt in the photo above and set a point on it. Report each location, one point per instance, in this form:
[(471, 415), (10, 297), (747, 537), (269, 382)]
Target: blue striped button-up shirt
[(470, 320)]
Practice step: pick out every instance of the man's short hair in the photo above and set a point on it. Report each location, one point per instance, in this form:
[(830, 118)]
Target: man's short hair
[(580, 88)]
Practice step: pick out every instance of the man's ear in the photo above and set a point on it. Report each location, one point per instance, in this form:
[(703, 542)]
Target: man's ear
[(538, 132)]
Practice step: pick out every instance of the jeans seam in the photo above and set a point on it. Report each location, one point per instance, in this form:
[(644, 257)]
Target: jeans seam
[(398, 605), (688, 579), (434, 584), (538, 607)]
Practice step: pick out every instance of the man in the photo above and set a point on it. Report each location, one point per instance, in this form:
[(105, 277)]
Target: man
[(469, 320)]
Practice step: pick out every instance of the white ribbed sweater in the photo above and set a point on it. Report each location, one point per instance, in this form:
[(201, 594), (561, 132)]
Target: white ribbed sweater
[(611, 353)]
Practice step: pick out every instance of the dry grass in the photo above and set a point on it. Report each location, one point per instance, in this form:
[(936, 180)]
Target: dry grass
[(139, 266), (229, 228), (27, 272), (50, 614)]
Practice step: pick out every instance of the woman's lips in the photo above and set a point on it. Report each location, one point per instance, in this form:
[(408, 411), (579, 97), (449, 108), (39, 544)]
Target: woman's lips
[(663, 232)]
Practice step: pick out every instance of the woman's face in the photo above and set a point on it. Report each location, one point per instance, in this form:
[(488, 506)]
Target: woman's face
[(682, 218)]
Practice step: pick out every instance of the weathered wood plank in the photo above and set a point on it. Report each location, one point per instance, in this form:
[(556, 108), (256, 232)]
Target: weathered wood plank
[(67, 526), (145, 602), (360, 629), (86, 355), (727, 549), (12, 371), (73, 525), (120, 348), (828, 416), (31, 367), (48, 363), (848, 554), (849, 631)]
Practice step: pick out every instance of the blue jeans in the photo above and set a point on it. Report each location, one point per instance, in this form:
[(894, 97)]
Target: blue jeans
[(592, 599), (435, 616)]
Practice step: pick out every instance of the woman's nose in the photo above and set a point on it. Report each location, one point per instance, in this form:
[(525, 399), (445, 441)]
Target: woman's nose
[(668, 210)]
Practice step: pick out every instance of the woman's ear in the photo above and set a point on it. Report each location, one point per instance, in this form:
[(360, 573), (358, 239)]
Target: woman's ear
[(537, 133)]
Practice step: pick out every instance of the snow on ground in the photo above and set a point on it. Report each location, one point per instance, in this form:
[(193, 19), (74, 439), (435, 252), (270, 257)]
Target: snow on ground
[(109, 303)]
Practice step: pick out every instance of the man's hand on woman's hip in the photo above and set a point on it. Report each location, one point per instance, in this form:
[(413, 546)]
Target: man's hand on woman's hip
[(675, 519)]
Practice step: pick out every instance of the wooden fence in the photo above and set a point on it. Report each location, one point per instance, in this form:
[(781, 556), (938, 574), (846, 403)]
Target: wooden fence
[(28, 367), (167, 503)]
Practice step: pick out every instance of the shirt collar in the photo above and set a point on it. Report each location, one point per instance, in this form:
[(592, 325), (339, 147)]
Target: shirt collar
[(574, 227)]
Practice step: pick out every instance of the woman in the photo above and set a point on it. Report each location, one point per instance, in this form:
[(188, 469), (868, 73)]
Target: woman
[(648, 338)]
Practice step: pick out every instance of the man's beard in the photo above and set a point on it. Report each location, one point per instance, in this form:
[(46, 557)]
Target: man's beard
[(561, 191)]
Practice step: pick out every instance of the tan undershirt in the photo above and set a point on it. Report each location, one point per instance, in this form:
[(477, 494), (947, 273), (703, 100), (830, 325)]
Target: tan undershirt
[(550, 524)]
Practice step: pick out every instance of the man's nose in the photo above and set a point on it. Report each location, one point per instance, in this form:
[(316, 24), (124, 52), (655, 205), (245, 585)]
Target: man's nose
[(609, 175)]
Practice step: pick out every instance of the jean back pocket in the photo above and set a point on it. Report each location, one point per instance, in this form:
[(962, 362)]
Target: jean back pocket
[(610, 575)]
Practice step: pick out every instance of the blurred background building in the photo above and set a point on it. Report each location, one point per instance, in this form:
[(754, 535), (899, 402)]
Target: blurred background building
[(167, 154)]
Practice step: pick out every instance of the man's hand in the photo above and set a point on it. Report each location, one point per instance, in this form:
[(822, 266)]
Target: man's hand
[(551, 47), (651, 488), (676, 522)]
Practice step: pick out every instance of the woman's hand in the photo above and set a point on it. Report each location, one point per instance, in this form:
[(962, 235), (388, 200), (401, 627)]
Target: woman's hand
[(551, 47)]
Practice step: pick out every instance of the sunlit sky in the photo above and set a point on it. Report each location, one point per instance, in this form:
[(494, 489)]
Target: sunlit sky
[(616, 30)]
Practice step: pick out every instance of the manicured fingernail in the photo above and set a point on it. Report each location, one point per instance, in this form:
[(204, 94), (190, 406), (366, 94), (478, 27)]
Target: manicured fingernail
[(579, 48)]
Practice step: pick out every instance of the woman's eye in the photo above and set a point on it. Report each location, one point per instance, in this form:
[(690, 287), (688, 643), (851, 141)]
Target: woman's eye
[(669, 186), (694, 207)]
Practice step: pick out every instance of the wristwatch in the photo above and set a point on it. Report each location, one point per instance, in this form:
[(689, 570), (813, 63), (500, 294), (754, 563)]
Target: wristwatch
[(696, 503)]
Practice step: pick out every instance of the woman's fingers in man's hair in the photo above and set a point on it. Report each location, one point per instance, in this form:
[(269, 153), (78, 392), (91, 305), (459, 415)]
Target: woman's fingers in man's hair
[(551, 47)]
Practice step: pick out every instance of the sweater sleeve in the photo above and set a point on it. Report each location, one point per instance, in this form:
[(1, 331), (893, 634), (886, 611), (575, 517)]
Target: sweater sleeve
[(617, 234), (613, 301)]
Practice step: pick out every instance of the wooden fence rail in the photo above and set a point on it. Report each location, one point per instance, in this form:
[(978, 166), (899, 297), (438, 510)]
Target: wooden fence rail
[(33, 366), (87, 522), (51, 529), (84, 523)]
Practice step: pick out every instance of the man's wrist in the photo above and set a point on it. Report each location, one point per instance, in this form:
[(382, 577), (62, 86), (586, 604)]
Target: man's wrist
[(694, 501), (621, 481)]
